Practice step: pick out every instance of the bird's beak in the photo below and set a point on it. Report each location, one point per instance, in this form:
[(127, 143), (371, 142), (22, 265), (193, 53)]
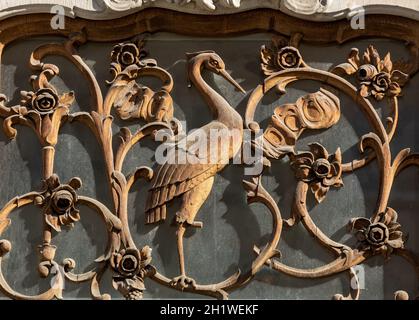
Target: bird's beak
[(226, 76)]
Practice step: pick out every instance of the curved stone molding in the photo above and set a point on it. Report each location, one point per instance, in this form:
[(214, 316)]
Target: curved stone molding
[(329, 10), (316, 10), (305, 7), (109, 9)]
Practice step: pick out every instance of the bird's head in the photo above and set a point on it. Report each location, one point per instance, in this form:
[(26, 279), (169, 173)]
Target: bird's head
[(213, 62)]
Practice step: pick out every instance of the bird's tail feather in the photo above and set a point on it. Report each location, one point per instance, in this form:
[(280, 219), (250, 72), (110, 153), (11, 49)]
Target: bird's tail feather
[(156, 214)]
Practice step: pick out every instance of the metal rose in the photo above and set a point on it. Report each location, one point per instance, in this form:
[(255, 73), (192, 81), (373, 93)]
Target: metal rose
[(42, 109), (289, 57), (127, 54), (58, 202), (379, 86), (377, 77), (129, 271), (278, 56), (45, 100), (319, 169), (381, 235), (127, 262)]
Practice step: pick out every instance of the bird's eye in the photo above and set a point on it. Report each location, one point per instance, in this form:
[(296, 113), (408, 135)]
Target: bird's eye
[(214, 62)]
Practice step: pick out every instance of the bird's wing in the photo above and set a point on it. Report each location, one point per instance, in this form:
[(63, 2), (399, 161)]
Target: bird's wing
[(184, 168)]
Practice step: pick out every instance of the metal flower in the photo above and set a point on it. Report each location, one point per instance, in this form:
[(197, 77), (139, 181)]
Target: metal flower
[(381, 235), (46, 100), (279, 56), (376, 76), (288, 57), (129, 57), (127, 54), (42, 109), (58, 202), (129, 267), (319, 169)]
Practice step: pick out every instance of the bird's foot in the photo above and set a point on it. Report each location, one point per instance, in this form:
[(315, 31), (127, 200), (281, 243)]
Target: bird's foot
[(197, 224), (183, 282), (180, 219)]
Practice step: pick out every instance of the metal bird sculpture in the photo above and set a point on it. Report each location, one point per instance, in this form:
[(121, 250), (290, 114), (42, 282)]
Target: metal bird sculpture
[(193, 179)]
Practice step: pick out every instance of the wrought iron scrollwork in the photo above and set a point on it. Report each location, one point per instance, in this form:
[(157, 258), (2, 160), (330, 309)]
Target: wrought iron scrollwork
[(45, 109)]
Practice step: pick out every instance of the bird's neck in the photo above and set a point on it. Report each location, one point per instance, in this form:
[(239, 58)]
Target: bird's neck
[(220, 108)]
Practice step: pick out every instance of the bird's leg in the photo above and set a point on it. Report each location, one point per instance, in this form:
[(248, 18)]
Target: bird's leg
[(192, 202), (179, 234), (182, 281)]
